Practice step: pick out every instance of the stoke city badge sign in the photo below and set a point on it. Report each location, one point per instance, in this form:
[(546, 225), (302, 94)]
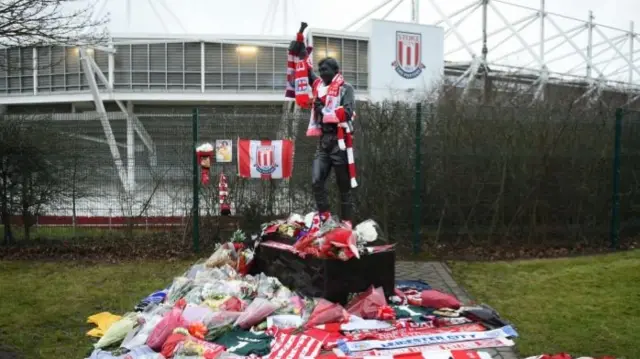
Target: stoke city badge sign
[(408, 63)]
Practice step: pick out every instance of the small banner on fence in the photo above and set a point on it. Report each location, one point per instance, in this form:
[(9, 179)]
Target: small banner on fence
[(265, 159), (224, 152)]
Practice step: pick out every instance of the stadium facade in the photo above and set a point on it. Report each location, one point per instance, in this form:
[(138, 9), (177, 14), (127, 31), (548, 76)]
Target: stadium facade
[(133, 110)]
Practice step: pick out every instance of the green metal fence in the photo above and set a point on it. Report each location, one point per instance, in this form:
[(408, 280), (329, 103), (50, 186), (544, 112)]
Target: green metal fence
[(427, 173), (625, 223)]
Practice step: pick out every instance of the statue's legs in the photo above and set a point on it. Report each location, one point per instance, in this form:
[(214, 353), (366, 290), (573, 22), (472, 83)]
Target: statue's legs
[(320, 170), (328, 155), (344, 187)]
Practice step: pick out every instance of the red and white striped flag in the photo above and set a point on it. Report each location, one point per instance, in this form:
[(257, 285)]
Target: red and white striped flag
[(265, 159)]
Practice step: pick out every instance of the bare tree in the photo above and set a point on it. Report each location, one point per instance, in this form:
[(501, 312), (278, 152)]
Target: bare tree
[(50, 22), (79, 169), (34, 169)]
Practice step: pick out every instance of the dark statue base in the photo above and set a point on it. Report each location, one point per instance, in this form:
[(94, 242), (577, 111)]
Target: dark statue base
[(331, 279)]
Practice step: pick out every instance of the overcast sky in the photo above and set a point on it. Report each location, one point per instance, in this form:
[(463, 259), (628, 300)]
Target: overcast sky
[(248, 17)]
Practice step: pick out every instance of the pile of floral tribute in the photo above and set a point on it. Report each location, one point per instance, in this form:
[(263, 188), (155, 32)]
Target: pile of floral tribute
[(216, 310), (329, 239)]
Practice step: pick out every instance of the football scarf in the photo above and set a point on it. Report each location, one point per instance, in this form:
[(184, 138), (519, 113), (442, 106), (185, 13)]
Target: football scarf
[(431, 339)]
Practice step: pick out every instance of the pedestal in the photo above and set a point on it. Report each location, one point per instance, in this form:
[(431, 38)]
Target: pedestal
[(331, 279)]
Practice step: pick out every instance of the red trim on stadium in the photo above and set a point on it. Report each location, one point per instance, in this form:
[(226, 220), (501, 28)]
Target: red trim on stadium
[(104, 221)]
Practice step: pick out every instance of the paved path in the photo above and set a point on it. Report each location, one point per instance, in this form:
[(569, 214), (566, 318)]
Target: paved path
[(438, 275)]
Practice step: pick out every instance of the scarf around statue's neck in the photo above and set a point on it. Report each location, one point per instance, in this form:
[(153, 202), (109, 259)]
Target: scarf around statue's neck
[(331, 97)]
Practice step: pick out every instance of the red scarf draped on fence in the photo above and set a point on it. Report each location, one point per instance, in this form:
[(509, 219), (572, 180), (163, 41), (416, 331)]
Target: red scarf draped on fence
[(223, 193)]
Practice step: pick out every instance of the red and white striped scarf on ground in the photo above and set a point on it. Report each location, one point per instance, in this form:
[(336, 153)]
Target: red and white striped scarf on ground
[(334, 113), (431, 354), (293, 346), (298, 86)]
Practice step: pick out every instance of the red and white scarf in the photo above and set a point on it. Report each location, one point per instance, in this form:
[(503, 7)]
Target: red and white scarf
[(293, 346), (223, 193), (332, 112), (426, 354), (298, 86)]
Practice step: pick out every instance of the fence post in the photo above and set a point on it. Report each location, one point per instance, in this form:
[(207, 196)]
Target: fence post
[(417, 202), (195, 211), (614, 234)]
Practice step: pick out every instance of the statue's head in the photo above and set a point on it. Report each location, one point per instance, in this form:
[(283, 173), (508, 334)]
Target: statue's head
[(328, 69)]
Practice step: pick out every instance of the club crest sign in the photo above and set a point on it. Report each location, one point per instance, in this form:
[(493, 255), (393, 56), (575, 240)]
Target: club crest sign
[(265, 160), (408, 63)]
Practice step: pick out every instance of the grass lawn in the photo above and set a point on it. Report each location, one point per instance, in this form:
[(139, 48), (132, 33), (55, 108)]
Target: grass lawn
[(584, 306), (44, 306)]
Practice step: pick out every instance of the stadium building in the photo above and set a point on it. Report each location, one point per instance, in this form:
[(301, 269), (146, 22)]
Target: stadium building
[(129, 102)]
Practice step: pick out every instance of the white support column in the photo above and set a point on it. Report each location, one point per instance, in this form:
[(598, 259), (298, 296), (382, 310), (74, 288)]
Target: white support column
[(616, 40), (576, 30), (476, 4), (632, 36), (594, 92), (138, 126), (573, 44), (586, 94), (393, 8), (541, 82), (590, 44), (485, 49), (594, 65), (415, 11), (544, 73), (202, 66), (447, 21), (104, 119), (111, 64), (619, 70), (35, 70), (543, 14), (517, 34), (461, 20), (131, 149), (599, 89), (472, 71), (525, 21), (632, 66)]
